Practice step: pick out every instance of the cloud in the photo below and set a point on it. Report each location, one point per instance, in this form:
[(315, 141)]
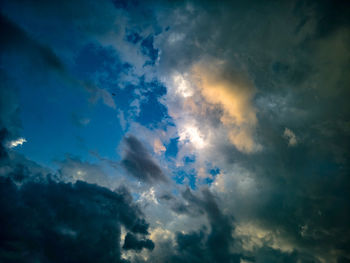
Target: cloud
[(46, 219), (101, 94), (131, 242), (203, 245), (72, 169), (80, 121), (15, 143), (139, 163), (221, 85), (290, 136), (158, 146), (65, 222), (236, 76), (282, 53)]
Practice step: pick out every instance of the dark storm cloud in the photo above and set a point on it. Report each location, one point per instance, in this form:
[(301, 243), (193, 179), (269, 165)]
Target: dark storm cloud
[(45, 220), (139, 163), (57, 222), (332, 15), (49, 221), (304, 194), (132, 242)]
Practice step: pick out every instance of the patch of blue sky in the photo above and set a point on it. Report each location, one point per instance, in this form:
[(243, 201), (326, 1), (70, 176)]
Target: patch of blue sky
[(100, 65), (153, 112), (46, 118), (133, 37), (56, 32), (188, 159), (125, 4), (49, 119), (103, 133), (123, 97), (172, 148), (147, 49), (214, 171), (50, 137), (186, 177)]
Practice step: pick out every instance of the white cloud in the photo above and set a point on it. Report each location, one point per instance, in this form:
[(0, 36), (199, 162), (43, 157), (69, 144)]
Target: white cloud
[(192, 134), (16, 142), (182, 85)]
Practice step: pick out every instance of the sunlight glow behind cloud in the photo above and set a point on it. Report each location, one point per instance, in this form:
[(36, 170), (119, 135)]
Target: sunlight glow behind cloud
[(182, 85), (193, 135), (233, 94)]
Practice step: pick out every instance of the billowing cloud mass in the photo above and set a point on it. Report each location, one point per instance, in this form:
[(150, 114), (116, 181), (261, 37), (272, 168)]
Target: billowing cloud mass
[(51, 221), (175, 131), (234, 95)]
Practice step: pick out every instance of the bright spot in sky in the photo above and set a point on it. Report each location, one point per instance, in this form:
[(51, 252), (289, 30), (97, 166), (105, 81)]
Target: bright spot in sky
[(182, 86), (16, 142), (149, 196), (192, 134)]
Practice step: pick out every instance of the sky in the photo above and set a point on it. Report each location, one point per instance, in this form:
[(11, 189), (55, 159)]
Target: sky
[(175, 131)]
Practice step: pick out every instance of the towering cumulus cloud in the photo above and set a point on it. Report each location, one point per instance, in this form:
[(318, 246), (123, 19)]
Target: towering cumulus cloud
[(149, 131)]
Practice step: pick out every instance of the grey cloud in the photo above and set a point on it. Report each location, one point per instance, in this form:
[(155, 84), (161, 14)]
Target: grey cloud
[(178, 205), (131, 242), (296, 53), (72, 169), (139, 163), (204, 245), (47, 220)]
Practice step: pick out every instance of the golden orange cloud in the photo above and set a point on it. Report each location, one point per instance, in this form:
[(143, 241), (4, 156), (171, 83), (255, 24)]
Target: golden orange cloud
[(234, 94)]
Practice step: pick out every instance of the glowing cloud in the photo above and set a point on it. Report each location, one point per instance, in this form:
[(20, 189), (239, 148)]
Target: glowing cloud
[(291, 137), (158, 146), (182, 85), (192, 134), (16, 142), (233, 94)]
